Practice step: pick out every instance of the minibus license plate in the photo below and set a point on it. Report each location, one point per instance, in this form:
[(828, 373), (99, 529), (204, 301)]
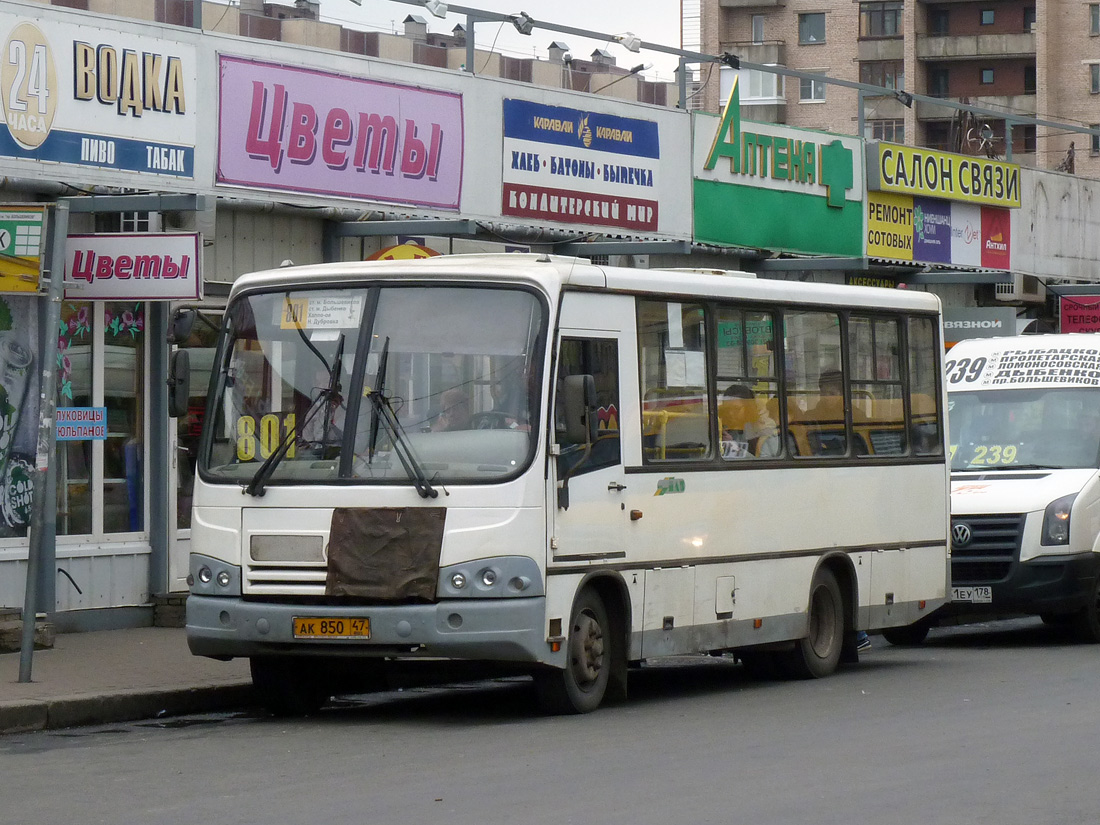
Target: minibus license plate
[(315, 627), (975, 595)]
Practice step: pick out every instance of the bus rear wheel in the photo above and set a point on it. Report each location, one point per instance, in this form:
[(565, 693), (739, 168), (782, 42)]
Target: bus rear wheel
[(581, 685), (818, 654), (287, 686)]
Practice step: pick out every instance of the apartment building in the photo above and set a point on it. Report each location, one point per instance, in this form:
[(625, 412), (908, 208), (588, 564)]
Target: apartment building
[(1025, 58)]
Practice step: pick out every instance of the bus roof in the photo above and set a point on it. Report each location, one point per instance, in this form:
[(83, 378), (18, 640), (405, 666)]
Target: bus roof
[(554, 273), (1024, 362)]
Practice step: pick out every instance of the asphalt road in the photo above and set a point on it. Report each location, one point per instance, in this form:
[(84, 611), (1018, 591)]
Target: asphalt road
[(994, 723)]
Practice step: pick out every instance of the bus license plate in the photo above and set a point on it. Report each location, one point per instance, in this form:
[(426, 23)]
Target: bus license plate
[(315, 627), (975, 595)]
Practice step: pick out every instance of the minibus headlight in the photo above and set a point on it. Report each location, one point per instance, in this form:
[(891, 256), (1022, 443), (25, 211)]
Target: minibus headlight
[(488, 577), (223, 578), (1056, 521), (205, 575), (458, 581)]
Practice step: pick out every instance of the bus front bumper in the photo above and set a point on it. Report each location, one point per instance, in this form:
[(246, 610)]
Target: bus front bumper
[(503, 630), (1044, 584)]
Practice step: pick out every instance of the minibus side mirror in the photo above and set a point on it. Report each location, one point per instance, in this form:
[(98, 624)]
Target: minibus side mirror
[(183, 320), (179, 383), (579, 395)]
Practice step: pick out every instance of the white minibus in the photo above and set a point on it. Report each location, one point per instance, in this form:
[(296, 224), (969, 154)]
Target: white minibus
[(1025, 485), (563, 469)]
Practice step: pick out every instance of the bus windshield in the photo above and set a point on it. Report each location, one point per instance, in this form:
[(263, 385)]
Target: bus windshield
[(1024, 429), (389, 384)]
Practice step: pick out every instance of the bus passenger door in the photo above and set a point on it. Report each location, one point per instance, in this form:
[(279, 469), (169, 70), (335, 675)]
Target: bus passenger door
[(591, 527)]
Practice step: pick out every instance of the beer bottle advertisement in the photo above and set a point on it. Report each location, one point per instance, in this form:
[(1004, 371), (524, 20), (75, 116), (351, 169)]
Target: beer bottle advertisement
[(19, 393)]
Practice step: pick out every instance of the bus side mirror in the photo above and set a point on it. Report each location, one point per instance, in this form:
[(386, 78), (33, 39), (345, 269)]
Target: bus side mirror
[(179, 383), (183, 320), (579, 394)]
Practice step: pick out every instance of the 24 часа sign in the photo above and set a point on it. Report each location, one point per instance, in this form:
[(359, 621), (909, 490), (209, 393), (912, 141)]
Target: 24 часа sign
[(99, 98)]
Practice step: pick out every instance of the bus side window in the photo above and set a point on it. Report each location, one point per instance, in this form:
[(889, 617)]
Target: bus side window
[(598, 357)]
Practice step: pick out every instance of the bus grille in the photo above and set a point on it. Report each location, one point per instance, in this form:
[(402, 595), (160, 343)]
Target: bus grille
[(989, 553), (285, 580)]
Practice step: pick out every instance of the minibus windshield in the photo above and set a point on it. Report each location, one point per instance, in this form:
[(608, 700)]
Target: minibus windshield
[(1014, 429), (390, 384)]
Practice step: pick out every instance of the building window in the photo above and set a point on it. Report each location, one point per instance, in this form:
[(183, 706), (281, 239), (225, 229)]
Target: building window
[(1094, 18), (1030, 139), (890, 130), (1094, 140), (880, 19), (1029, 80), (811, 89), (939, 82), (758, 28), (757, 86), (938, 21), (1094, 78), (890, 74), (1029, 18), (988, 16), (811, 28), (987, 77)]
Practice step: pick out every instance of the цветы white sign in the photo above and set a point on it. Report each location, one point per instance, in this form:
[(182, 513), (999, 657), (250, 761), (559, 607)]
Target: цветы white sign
[(133, 267)]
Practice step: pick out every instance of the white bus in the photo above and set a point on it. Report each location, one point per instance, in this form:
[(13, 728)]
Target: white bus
[(562, 468), (1025, 461)]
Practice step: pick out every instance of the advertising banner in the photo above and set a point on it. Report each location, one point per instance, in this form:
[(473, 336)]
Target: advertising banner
[(910, 170), (978, 322), (20, 247), (580, 167), (926, 230), (1079, 313), (83, 96), (142, 266), (771, 186), (19, 389), (304, 130)]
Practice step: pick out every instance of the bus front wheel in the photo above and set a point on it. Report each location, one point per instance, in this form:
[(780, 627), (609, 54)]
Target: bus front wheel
[(581, 685), (1087, 620), (818, 653), (286, 686)]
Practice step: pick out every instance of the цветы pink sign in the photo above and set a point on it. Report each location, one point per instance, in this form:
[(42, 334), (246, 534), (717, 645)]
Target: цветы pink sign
[(303, 130)]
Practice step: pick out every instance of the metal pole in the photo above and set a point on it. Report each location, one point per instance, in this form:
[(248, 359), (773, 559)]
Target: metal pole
[(47, 407)]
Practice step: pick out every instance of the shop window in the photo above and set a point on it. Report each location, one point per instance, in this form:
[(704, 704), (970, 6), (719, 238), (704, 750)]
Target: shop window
[(19, 391), (101, 482)]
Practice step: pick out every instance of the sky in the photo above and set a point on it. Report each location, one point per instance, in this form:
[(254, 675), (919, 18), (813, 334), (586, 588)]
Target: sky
[(654, 21)]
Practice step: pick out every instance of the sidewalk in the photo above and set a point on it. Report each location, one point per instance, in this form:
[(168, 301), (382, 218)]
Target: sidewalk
[(116, 676)]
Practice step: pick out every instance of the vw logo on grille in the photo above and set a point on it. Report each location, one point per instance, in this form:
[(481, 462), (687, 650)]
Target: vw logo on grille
[(960, 534)]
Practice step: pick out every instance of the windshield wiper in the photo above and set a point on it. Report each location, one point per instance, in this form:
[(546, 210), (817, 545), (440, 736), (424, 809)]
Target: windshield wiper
[(330, 396), (383, 411)]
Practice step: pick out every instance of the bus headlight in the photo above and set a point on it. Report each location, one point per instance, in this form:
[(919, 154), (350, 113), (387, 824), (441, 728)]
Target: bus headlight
[(1056, 521)]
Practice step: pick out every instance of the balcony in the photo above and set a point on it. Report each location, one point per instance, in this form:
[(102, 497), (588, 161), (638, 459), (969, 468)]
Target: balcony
[(766, 52), (751, 4), (1023, 105), (975, 46), (877, 49)]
